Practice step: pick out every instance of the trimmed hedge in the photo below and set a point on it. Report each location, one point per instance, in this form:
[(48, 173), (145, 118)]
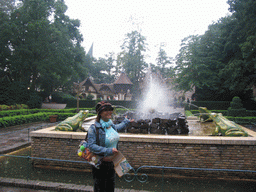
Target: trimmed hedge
[(9, 113), (250, 113), (11, 107), (224, 112), (242, 120), (239, 120), (126, 104), (211, 105), (72, 103), (237, 112), (23, 119)]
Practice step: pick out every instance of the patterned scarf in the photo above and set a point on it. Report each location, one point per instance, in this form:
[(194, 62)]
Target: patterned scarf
[(106, 125)]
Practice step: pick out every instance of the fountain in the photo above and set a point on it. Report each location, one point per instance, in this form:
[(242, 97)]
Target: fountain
[(153, 115), (154, 97), (159, 141)]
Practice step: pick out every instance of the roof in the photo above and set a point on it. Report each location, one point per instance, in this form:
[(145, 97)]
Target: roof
[(105, 87), (89, 82), (122, 83), (123, 79)]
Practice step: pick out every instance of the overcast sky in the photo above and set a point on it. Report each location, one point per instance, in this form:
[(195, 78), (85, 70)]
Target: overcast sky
[(106, 22)]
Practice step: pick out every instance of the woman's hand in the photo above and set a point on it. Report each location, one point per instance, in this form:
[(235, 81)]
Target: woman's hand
[(131, 120), (110, 158), (114, 150)]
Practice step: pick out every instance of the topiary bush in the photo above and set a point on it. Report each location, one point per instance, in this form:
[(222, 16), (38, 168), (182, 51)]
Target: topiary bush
[(34, 101), (236, 108), (60, 97)]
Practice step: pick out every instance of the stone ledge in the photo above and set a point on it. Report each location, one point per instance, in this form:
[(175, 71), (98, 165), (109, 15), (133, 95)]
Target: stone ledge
[(189, 139), (51, 133), (151, 138)]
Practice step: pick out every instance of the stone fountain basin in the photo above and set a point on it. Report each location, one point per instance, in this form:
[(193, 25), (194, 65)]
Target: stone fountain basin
[(205, 152)]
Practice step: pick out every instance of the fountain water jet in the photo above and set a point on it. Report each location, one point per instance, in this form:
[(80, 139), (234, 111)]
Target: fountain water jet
[(155, 96), (153, 114)]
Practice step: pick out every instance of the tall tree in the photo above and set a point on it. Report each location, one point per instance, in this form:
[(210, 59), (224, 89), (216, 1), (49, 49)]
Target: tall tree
[(45, 45), (242, 39), (6, 9), (109, 63), (186, 65), (101, 69), (132, 59), (214, 63), (164, 63), (7, 6), (199, 64)]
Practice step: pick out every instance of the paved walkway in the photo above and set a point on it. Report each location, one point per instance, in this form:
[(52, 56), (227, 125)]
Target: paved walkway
[(15, 137), (15, 189)]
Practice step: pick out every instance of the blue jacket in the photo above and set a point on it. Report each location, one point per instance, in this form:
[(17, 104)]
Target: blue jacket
[(101, 149)]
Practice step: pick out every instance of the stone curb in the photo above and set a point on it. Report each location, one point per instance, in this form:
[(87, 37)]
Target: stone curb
[(15, 148), (42, 185)]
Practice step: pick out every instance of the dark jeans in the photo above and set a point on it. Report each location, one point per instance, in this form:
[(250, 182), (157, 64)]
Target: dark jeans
[(104, 177)]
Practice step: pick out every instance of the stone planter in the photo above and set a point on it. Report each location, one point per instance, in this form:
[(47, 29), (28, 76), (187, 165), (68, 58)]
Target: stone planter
[(53, 106), (53, 118)]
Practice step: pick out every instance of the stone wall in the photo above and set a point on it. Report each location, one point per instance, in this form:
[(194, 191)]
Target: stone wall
[(155, 150), (202, 156)]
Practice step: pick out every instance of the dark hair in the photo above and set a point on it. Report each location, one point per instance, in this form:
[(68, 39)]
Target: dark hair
[(101, 106)]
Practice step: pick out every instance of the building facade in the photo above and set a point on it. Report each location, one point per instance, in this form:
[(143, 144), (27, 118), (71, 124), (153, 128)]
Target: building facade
[(119, 90)]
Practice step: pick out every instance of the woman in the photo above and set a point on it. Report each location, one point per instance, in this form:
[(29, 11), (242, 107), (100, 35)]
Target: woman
[(102, 140)]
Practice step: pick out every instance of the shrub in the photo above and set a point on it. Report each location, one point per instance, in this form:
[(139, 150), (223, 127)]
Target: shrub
[(211, 105), (22, 116), (236, 108), (22, 119), (3, 107), (90, 97), (242, 120), (250, 113), (224, 112), (35, 101), (16, 106), (72, 103), (23, 106), (188, 113), (9, 113), (60, 97)]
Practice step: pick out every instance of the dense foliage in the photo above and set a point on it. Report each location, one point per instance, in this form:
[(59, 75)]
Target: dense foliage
[(40, 49), (221, 62), (40, 46)]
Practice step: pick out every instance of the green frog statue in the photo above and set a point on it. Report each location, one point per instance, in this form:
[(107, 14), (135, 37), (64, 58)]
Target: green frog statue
[(224, 127), (72, 123)]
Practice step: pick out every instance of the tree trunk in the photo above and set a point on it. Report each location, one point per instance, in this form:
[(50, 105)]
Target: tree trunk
[(77, 104)]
